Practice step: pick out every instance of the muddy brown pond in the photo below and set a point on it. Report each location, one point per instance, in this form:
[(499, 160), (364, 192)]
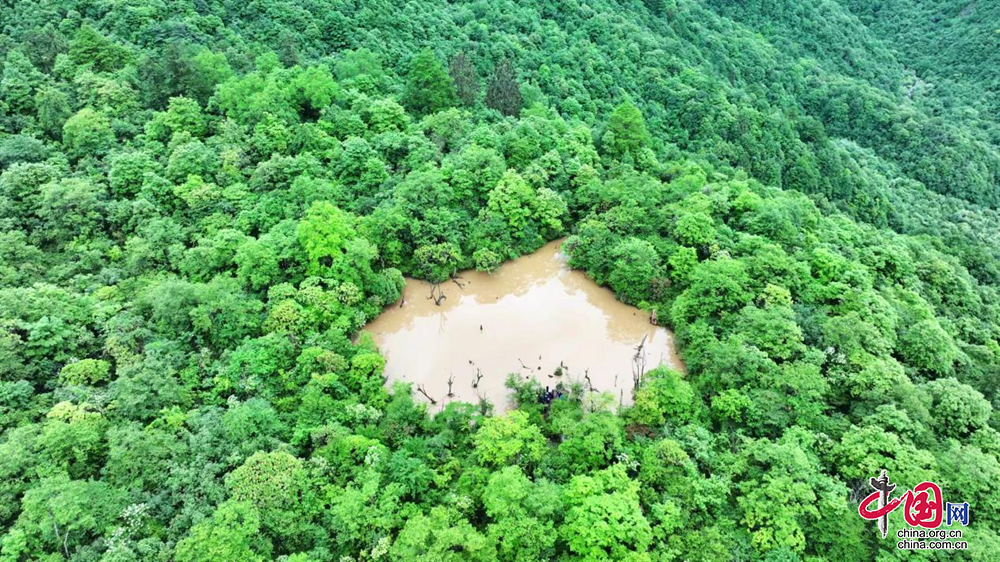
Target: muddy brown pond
[(528, 317)]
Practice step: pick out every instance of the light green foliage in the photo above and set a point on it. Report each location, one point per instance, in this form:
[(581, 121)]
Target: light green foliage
[(127, 175), (272, 258), (437, 262), (772, 330), (664, 397), (794, 497), (694, 229), (957, 409), (626, 133), (86, 371), (603, 518), (312, 89), (523, 511), (365, 376), (520, 218), (473, 172), (512, 199), (866, 449), (69, 208), (636, 265), (442, 535), (87, 134), (89, 47), (509, 439), (207, 70), (486, 260), (716, 287), (927, 346), (324, 234), (192, 158), (429, 88), (592, 442), (682, 263), (183, 115), (18, 80), (274, 484), (59, 515), (230, 534), (53, 110)]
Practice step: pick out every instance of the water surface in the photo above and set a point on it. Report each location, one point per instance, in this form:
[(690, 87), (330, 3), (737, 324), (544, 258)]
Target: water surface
[(528, 317)]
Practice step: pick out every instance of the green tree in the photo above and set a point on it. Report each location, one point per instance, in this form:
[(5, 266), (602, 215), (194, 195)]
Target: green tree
[(18, 83), (521, 512), (604, 520), (87, 134), (442, 535), (503, 92), (324, 233), (232, 533), (70, 208), (927, 346), (275, 484), (90, 47), (85, 372), (636, 265), (429, 88), (53, 111), (715, 287), (663, 397), (465, 78), (509, 439), (59, 516), (437, 262), (957, 409), (626, 133)]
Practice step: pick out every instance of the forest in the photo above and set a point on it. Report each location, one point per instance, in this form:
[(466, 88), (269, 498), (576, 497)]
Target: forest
[(202, 202)]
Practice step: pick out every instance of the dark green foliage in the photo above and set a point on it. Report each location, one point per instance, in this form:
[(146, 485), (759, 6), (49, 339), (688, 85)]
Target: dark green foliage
[(503, 92), (465, 78), (429, 88), (626, 134)]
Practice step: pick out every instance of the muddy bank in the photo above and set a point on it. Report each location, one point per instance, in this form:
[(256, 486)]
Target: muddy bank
[(530, 317)]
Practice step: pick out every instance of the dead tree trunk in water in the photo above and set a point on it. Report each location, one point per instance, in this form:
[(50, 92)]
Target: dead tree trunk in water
[(420, 389), (440, 294), (586, 377), (478, 375), (451, 381), (638, 365), (652, 317)]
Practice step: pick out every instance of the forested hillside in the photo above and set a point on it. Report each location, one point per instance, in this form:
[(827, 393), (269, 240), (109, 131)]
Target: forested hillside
[(202, 202), (951, 45)]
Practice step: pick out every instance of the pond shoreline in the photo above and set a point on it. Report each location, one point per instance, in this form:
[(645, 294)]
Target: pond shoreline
[(533, 316)]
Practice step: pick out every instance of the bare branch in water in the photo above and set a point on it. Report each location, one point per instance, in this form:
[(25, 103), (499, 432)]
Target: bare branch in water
[(420, 389), (638, 365), (440, 294)]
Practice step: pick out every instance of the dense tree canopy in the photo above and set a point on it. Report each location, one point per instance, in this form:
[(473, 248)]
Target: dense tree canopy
[(201, 204)]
